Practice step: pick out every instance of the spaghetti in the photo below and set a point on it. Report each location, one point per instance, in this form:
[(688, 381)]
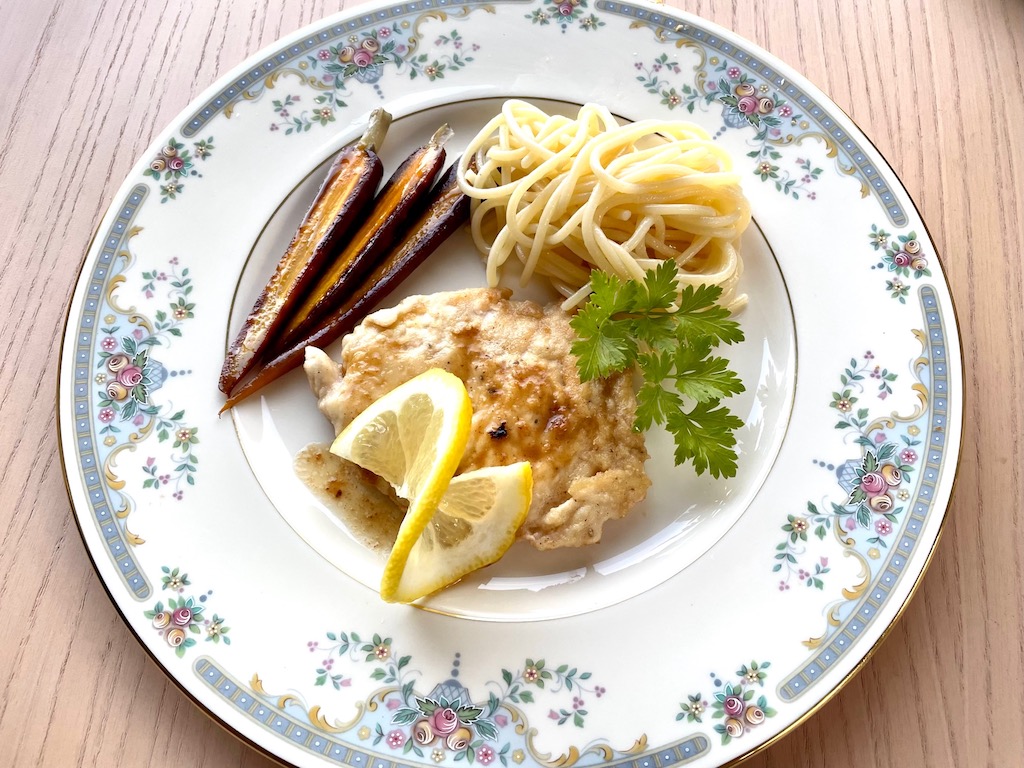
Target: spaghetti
[(569, 195)]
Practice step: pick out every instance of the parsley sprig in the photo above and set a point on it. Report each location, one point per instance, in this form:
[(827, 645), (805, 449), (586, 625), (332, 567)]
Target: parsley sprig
[(669, 335)]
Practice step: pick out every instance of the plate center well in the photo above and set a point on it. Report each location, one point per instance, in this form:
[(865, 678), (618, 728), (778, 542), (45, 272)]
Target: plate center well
[(683, 515)]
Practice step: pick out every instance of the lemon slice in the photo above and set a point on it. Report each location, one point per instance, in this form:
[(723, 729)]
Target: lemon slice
[(474, 525), (413, 437)]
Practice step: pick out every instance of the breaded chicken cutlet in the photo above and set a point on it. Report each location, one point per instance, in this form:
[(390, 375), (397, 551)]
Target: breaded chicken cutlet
[(528, 401)]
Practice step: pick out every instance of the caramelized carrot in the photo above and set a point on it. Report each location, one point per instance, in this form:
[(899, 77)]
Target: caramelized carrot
[(402, 198), (343, 199), (448, 210)]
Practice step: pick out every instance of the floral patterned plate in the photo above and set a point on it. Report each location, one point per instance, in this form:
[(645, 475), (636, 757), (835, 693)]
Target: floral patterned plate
[(713, 619)]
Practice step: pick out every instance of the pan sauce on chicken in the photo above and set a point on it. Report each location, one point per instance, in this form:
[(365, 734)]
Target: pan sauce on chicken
[(528, 401)]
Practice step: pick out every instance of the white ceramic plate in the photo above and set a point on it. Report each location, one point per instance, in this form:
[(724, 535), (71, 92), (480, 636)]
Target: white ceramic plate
[(710, 621)]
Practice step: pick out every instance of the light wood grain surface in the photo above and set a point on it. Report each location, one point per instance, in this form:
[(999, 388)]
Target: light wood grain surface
[(937, 85)]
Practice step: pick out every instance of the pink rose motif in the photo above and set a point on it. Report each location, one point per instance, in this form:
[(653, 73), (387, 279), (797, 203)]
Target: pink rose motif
[(130, 376), (733, 706), (175, 163), (565, 9), (444, 721), (873, 484), (901, 259), (362, 58), (182, 616), (747, 105)]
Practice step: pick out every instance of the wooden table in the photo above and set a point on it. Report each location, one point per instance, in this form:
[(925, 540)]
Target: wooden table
[(939, 88)]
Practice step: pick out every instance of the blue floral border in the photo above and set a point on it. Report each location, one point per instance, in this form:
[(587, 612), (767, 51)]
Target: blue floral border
[(310, 738), (276, 719), (86, 443), (862, 616), (311, 44)]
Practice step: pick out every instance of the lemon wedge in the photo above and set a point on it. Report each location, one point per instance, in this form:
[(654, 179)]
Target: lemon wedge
[(414, 437), (473, 526)]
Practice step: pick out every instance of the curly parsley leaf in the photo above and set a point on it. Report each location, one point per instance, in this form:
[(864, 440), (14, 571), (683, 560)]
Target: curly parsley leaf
[(669, 335)]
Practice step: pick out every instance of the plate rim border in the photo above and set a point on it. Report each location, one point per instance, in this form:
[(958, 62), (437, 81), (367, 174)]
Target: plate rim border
[(684, 16)]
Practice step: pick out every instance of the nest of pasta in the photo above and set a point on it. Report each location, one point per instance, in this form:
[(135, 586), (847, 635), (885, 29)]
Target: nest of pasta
[(569, 195)]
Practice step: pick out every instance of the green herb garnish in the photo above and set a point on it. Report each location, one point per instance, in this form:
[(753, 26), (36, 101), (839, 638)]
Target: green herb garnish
[(628, 323)]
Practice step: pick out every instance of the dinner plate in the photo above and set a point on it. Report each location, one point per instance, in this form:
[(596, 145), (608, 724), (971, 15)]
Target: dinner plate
[(713, 619)]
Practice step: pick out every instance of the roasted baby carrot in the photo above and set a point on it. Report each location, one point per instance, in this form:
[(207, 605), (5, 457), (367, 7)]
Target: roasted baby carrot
[(448, 210), (401, 199), (339, 207)]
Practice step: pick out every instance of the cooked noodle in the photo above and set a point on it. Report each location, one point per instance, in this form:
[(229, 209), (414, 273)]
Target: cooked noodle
[(567, 196)]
